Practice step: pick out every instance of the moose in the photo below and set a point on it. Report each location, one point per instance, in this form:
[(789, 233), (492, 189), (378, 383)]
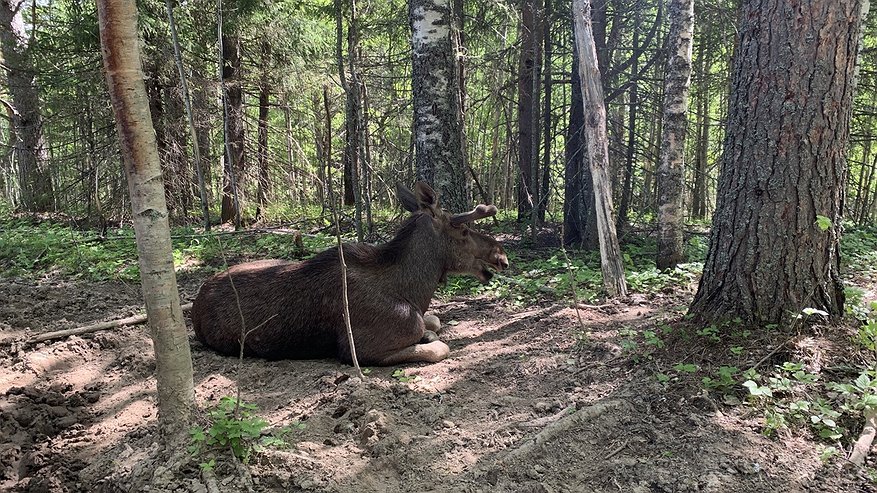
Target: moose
[(293, 310)]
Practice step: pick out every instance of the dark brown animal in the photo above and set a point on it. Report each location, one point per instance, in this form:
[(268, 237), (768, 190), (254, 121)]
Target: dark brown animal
[(293, 310)]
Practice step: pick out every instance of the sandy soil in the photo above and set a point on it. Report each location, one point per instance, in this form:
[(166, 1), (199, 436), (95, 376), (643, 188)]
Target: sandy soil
[(524, 404)]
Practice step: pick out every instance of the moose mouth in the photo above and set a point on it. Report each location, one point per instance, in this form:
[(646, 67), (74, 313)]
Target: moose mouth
[(485, 274)]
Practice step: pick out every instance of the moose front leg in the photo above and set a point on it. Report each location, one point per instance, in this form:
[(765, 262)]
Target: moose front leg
[(432, 352), (432, 327)]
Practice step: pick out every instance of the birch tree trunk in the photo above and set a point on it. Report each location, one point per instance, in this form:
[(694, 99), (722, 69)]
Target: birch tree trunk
[(438, 131), (670, 174), (598, 150), (121, 55), (784, 165), (34, 177)]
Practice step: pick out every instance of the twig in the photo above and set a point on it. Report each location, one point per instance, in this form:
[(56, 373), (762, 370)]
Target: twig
[(762, 360), (112, 324), (616, 451), (863, 444)]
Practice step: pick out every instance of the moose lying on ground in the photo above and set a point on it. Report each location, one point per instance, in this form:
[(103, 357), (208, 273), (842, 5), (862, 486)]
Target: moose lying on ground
[(293, 310)]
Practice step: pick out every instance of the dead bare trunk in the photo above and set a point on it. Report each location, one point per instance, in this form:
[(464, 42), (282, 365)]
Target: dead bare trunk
[(598, 150)]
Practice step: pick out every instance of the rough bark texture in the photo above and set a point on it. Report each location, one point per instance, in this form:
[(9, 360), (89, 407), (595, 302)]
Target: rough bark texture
[(528, 194), (234, 123), (34, 177), (783, 165), (598, 150), (438, 144), (698, 195), (262, 188), (579, 219), (121, 55), (671, 170)]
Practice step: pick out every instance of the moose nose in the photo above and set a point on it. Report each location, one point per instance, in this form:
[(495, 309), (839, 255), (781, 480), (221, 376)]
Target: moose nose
[(502, 261)]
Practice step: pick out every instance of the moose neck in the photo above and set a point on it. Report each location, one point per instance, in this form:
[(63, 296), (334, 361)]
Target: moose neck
[(421, 266)]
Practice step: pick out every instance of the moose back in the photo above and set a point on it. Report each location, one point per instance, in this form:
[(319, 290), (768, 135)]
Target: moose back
[(294, 310)]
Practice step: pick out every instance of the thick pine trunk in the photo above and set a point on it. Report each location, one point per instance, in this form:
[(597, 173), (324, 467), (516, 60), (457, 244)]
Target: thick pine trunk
[(35, 180), (120, 46), (784, 164), (671, 170), (598, 150), (438, 133)]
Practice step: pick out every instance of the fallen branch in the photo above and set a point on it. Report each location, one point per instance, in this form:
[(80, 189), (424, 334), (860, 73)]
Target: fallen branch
[(112, 324), (540, 288), (863, 444)]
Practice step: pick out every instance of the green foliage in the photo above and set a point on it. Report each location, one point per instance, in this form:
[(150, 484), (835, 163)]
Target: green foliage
[(243, 435), (402, 377), (35, 249), (823, 223), (792, 396)]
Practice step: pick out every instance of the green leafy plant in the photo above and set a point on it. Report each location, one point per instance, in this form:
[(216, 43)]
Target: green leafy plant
[(402, 377), (242, 434)]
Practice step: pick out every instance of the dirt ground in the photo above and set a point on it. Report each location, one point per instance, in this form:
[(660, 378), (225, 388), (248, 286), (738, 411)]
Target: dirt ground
[(522, 405)]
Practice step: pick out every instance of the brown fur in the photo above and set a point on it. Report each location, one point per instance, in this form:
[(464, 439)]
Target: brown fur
[(293, 310)]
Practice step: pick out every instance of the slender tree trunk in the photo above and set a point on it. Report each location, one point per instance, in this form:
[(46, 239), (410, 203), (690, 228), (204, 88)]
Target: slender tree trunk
[(438, 134), (233, 121), (36, 191), (633, 106), (193, 133), (527, 193), (547, 129), (598, 150), (698, 195), (783, 165), (262, 189), (120, 47), (671, 171)]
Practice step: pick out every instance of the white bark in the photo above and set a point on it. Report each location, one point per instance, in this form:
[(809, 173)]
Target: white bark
[(121, 55), (438, 133), (670, 171)]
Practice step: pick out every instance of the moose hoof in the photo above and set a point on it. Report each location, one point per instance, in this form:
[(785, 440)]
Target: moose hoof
[(436, 351), (429, 336), (432, 323)]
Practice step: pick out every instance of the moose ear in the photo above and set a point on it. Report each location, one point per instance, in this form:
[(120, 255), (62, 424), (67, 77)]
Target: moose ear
[(406, 198), (426, 196)]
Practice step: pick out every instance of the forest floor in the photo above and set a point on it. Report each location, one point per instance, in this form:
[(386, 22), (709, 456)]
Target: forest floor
[(530, 400)]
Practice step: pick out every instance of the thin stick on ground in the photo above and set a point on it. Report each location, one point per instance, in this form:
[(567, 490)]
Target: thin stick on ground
[(344, 299), (111, 324)]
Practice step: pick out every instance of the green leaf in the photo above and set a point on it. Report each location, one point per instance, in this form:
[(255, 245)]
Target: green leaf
[(823, 222), (756, 390)]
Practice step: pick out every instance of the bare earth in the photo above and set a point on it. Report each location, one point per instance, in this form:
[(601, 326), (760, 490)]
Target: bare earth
[(522, 405)]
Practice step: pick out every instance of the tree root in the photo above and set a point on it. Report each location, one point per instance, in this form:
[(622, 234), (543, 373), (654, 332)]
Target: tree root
[(563, 425), (863, 444)]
